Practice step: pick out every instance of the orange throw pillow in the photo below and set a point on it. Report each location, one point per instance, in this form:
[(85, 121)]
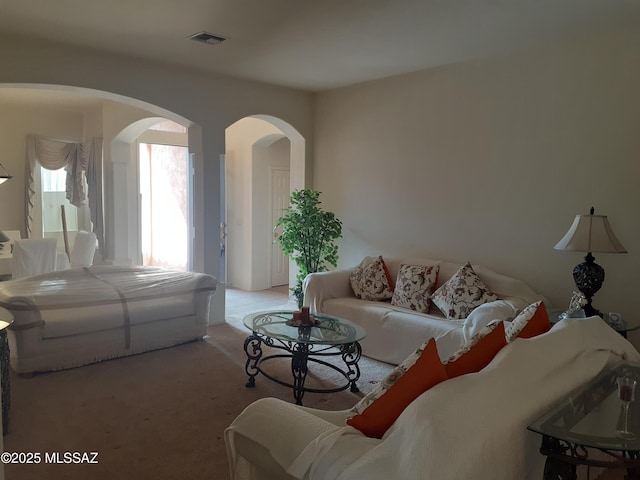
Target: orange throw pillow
[(480, 354), (428, 371), (538, 324)]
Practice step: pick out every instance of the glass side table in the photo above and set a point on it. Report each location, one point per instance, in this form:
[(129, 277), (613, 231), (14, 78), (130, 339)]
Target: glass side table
[(622, 326), (329, 337), (589, 420), (6, 319)]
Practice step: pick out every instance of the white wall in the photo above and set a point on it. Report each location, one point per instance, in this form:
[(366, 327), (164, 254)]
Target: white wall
[(490, 161), (211, 102)]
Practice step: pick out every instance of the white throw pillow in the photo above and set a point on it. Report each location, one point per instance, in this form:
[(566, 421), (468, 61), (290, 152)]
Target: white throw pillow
[(505, 309)]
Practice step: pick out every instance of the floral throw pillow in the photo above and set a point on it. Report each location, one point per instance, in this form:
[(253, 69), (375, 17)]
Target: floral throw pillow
[(414, 286), (388, 381), (472, 342), (372, 281), (462, 293), (532, 321), (478, 356)]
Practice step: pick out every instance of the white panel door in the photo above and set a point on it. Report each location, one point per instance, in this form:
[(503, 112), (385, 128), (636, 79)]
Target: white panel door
[(279, 201)]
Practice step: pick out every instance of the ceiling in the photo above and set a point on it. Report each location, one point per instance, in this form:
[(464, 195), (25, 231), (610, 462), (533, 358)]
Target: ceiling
[(311, 45)]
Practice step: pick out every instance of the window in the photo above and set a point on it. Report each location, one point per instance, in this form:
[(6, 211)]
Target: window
[(168, 126), (53, 189), (164, 175)]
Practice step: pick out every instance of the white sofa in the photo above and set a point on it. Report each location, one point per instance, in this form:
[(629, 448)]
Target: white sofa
[(79, 316), (471, 426), (394, 332)]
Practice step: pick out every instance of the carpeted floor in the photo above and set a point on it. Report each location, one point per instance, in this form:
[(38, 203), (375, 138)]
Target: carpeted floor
[(158, 415)]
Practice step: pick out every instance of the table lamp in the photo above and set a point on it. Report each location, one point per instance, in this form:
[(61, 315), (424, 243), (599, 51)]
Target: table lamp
[(4, 175), (3, 238), (592, 234)]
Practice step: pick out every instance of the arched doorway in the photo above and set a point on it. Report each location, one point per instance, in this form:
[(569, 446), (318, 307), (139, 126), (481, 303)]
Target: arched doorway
[(259, 150), (134, 220)]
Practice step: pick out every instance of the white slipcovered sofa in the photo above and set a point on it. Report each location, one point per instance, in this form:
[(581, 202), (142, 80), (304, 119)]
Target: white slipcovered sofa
[(471, 426), (74, 317), (394, 332)]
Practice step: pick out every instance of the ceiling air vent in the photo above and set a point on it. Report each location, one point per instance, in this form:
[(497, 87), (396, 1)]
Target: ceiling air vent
[(206, 37)]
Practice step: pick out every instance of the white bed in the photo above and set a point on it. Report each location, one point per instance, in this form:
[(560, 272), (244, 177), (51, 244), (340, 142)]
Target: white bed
[(79, 316)]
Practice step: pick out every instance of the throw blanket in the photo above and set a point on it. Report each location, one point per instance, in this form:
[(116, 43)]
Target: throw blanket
[(473, 426)]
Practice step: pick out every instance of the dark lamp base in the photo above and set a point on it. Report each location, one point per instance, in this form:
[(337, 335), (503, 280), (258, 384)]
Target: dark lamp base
[(589, 311), (589, 277)]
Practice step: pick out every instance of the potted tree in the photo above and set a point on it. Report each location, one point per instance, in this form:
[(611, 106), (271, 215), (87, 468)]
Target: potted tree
[(308, 236)]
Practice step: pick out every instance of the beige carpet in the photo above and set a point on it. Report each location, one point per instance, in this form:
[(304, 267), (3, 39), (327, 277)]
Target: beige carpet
[(159, 415)]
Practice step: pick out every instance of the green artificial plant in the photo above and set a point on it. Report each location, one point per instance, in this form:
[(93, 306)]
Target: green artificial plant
[(308, 236)]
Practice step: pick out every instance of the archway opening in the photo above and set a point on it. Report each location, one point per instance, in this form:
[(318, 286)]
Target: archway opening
[(77, 114), (264, 162)]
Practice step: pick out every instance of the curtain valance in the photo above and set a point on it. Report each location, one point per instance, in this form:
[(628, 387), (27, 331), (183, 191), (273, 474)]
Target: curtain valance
[(80, 160)]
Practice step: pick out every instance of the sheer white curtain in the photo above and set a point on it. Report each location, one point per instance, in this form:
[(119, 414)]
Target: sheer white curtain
[(79, 160)]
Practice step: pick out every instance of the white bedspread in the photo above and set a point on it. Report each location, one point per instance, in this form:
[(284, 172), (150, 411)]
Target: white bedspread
[(473, 426), (102, 297)]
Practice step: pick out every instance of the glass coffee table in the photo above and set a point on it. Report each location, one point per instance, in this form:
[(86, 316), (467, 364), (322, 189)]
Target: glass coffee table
[(592, 419), (329, 337)]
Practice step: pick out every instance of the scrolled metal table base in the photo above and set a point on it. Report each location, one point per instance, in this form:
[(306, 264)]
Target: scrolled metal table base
[(301, 354), (253, 349), (564, 457), (6, 380)]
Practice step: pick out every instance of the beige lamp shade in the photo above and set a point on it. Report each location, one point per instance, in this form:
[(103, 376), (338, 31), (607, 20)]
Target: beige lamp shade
[(4, 175), (590, 233)]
